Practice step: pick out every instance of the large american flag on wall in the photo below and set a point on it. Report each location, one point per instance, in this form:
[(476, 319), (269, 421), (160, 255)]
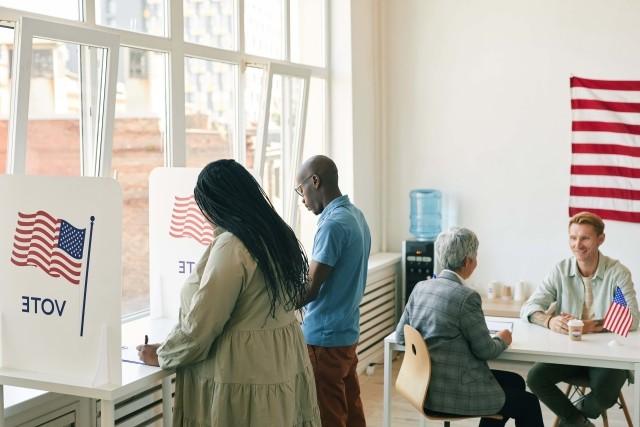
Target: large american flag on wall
[(605, 167)]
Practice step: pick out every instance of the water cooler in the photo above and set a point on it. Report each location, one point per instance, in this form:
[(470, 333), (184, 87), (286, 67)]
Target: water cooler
[(418, 264), (418, 256)]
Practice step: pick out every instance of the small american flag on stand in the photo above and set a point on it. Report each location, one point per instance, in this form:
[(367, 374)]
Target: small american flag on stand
[(188, 221), (605, 165), (49, 243), (618, 318)]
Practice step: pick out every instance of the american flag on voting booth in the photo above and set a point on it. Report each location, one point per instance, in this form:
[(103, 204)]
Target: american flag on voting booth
[(618, 318), (188, 222), (49, 243), (605, 148)]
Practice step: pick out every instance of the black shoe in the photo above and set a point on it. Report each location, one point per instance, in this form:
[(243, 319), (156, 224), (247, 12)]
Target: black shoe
[(582, 423), (580, 407)]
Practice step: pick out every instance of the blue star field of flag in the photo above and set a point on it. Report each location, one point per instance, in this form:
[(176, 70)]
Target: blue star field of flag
[(71, 239), (618, 297)]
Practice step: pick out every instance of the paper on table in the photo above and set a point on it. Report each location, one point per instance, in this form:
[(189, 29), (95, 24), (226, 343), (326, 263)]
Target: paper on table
[(496, 325), (130, 354)]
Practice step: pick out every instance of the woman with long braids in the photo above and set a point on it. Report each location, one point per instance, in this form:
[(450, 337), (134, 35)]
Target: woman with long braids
[(238, 350)]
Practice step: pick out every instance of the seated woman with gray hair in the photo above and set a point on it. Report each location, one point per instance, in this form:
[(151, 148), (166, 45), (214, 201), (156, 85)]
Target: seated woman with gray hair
[(448, 314)]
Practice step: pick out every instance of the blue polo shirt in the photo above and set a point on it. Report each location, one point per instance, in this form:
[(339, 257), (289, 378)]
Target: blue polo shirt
[(343, 241)]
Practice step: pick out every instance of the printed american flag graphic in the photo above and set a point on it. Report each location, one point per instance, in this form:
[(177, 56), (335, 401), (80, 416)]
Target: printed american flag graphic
[(187, 221), (618, 318), (49, 243), (605, 167)]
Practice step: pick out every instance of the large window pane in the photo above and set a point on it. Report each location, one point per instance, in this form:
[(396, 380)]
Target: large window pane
[(142, 16), (282, 131), (313, 144), (68, 9), (210, 23), (252, 97), (138, 141), (53, 130), (6, 46), (264, 34), (307, 19), (210, 93)]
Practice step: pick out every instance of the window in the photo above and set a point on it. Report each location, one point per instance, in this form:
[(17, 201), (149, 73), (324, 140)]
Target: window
[(210, 23), (142, 16), (138, 68), (183, 98), (139, 135), (6, 48), (210, 120)]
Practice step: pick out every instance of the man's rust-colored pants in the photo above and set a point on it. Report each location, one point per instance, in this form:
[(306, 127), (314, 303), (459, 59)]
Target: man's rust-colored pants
[(337, 385)]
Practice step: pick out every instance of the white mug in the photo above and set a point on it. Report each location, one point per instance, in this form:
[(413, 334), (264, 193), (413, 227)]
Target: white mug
[(520, 290)]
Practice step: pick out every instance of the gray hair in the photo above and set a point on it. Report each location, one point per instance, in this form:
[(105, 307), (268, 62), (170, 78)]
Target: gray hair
[(453, 246)]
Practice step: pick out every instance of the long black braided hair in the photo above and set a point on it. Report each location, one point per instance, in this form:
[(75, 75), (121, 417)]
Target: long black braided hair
[(230, 197)]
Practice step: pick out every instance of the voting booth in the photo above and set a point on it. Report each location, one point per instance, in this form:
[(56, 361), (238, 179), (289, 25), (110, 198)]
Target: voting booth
[(60, 278), (178, 236)]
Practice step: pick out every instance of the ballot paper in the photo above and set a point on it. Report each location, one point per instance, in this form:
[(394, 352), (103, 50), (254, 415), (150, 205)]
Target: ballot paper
[(496, 326)]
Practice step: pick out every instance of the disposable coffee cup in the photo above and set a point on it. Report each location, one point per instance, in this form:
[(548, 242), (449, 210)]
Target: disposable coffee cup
[(575, 329)]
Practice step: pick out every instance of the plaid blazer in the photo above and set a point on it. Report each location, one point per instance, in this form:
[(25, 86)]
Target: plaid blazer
[(449, 316)]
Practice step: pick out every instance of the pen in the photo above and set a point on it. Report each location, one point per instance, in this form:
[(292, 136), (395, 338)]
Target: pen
[(146, 339)]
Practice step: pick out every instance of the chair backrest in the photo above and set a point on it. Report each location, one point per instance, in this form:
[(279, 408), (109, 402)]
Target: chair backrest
[(415, 372)]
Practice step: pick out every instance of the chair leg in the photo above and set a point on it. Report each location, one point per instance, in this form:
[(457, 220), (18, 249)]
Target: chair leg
[(566, 393), (605, 418), (623, 405)]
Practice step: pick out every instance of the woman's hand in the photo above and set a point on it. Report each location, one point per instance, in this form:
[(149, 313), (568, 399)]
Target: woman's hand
[(148, 354)]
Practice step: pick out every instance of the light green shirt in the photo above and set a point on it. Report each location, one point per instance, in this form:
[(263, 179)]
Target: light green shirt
[(564, 287)]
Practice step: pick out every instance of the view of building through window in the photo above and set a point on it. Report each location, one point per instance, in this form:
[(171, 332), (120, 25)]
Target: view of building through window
[(211, 96)]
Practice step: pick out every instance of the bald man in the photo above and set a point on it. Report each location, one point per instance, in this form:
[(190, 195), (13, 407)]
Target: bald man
[(338, 273)]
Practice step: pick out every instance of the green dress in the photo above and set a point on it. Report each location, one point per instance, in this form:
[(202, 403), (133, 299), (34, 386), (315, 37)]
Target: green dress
[(235, 364)]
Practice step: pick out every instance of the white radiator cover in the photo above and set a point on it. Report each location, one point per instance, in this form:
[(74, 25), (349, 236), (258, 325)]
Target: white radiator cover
[(377, 320)]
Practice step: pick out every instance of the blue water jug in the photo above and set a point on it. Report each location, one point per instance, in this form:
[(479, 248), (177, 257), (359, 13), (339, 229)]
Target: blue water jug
[(426, 217)]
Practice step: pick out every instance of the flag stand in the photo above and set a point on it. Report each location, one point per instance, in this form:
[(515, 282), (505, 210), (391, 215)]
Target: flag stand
[(86, 276), (615, 342)]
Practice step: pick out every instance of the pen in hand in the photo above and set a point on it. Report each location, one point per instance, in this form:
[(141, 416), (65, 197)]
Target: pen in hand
[(146, 339)]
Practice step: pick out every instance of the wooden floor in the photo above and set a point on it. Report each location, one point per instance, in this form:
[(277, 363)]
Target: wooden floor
[(403, 415)]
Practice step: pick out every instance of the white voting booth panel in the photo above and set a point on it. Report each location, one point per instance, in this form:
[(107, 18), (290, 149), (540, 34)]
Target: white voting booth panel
[(178, 236), (60, 278)]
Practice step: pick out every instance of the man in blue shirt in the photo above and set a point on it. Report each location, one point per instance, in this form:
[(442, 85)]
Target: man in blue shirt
[(338, 273)]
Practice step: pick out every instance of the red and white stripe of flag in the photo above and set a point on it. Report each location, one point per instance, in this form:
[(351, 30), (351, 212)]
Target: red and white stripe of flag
[(35, 243), (618, 319), (187, 221), (605, 166)]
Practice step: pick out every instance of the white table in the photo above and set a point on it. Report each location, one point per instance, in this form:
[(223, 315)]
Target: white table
[(531, 343), (135, 377)]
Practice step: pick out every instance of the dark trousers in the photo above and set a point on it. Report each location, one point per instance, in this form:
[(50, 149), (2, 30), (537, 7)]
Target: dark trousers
[(337, 386), (519, 404), (605, 385)]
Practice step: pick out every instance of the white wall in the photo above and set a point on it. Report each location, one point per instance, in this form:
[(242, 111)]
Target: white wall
[(355, 144), (477, 104)]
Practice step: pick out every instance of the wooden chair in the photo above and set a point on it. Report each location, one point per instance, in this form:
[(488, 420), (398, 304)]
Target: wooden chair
[(578, 386), (414, 376)]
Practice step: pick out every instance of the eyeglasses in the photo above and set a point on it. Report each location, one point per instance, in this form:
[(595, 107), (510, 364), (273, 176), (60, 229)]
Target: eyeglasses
[(298, 189)]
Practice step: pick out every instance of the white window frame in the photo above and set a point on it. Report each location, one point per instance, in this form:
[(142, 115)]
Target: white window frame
[(291, 153), (177, 50), (26, 30)]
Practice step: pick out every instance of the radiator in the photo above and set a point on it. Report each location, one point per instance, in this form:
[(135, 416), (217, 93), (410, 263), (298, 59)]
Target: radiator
[(377, 315)]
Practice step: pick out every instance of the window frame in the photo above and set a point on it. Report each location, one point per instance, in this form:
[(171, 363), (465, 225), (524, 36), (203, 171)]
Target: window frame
[(262, 135), (100, 142), (173, 44)]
